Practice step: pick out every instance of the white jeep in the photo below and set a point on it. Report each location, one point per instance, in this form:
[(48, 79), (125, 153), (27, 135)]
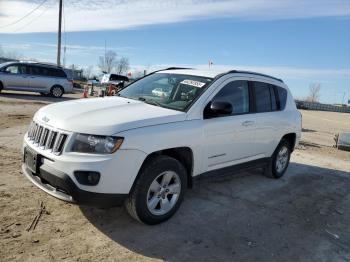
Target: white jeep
[(145, 150)]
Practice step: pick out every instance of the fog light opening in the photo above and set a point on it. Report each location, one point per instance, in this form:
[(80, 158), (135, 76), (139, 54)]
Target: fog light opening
[(88, 178)]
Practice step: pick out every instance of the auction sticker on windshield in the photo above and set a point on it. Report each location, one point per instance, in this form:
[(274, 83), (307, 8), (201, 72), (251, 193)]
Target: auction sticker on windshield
[(192, 83)]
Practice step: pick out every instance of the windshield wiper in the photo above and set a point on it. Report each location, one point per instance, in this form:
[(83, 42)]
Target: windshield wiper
[(151, 102)]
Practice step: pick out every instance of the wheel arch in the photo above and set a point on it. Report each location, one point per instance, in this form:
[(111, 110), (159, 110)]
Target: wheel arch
[(183, 154), (291, 138)]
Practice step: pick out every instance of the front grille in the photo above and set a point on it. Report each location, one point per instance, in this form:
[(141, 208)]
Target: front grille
[(47, 138)]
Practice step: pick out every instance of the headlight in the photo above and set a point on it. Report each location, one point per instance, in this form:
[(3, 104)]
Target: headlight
[(96, 144)]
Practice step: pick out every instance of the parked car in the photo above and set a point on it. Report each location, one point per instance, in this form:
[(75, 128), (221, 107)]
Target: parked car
[(117, 81), (145, 150), (34, 77)]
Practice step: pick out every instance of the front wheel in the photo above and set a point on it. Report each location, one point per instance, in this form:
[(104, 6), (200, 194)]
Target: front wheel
[(279, 161), (56, 91), (159, 190)]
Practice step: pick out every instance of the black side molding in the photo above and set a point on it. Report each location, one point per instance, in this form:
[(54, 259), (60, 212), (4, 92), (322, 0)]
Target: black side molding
[(231, 170)]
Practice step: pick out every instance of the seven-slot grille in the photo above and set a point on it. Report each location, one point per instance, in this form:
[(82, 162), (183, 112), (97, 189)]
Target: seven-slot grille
[(47, 138)]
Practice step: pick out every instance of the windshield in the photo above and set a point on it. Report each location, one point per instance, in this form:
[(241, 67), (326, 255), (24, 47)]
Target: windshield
[(174, 91)]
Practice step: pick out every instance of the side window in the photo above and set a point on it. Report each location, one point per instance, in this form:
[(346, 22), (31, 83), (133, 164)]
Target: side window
[(262, 97), (12, 69), (237, 93), (44, 71), (274, 104), (33, 70), (282, 97), (16, 69)]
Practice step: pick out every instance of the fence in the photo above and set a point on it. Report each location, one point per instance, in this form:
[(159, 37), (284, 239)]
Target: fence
[(322, 107)]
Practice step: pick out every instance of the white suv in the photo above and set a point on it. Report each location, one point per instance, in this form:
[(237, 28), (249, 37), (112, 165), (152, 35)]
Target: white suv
[(145, 150)]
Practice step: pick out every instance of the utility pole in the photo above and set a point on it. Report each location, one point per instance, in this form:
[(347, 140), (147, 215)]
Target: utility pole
[(59, 34), (105, 62), (342, 101)]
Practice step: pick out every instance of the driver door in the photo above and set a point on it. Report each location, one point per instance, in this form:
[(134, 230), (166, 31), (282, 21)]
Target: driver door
[(229, 139), (15, 77)]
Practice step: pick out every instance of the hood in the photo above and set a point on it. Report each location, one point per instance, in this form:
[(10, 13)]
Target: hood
[(105, 116)]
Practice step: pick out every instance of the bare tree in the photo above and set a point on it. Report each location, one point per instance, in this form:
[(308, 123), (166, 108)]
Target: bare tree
[(10, 54), (88, 74), (13, 55), (314, 94), (123, 65), (108, 62)]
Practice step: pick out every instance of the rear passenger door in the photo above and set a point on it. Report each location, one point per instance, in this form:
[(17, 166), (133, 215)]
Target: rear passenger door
[(267, 118), (39, 78)]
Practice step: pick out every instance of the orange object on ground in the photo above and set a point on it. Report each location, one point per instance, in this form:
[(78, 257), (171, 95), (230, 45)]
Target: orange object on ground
[(110, 90), (85, 93)]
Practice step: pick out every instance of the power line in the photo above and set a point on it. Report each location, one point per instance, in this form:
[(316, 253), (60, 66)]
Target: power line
[(28, 14), (31, 21)]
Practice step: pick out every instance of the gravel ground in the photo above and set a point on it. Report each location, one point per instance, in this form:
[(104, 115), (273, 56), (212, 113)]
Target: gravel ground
[(304, 216)]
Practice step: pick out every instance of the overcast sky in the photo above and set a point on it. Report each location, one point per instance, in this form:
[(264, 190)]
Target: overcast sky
[(300, 41)]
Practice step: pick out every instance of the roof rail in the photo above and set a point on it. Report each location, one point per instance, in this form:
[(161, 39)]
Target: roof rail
[(40, 63), (175, 68), (254, 73)]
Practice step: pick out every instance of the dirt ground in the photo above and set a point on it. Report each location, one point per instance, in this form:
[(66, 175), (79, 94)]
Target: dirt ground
[(304, 216)]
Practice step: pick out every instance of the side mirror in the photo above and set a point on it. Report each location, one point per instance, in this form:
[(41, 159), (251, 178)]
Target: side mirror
[(218, 108)]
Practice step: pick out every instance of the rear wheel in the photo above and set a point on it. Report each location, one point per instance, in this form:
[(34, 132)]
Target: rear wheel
[(279, 161), (56, 91), (159, 190), (1, 87)]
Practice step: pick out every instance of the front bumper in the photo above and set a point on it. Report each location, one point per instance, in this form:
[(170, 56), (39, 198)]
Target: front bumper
[(61, 186)]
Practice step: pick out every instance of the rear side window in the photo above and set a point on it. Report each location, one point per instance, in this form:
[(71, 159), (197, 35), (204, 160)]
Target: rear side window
[(274, 103), (56, 72), (38, 71), (262, 97), (45, 71), (282, 97)]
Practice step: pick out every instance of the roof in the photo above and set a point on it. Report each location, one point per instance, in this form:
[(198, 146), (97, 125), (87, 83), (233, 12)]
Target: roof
[(35, 63), (212, 73), (197, 72)]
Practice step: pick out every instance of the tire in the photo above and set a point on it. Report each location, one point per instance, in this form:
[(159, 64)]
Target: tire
[(147, 193), (279, 162), (1, 87), (57, 91)]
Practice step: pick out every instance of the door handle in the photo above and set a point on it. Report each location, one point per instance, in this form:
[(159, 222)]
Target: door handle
[(248, 123)]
